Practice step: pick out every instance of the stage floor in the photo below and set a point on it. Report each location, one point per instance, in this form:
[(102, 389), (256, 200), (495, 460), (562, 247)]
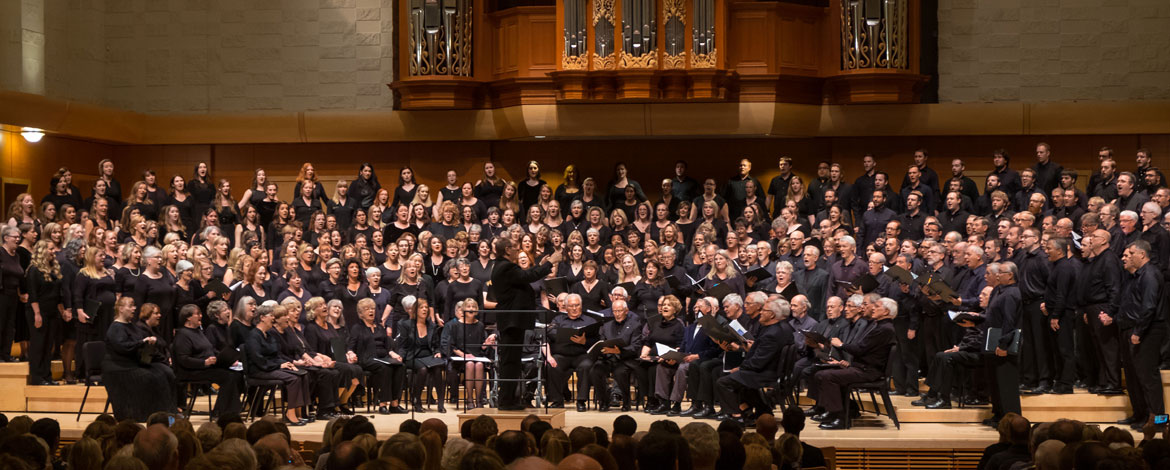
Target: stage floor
[(868, 431)]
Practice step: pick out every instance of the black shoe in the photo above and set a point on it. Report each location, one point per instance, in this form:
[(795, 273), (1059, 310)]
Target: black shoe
[(382, 410), (418, 407), (1080, 384), (398, 410), (1061, 390), (625, 407), (603, 406), (662, 409), (821, 417), (1111, 391), (974, 401), (651, 405), (910, 393), (816, 410), (581, 406), (287, 422), (993, 422), (696, 408), (924, 400), (328, 415), (1127, 421), (675, 410), (441, 409), (707, 413), (942, 403), (721, 417), (345, 410), (747, 421), (557, 404), (833, 424)]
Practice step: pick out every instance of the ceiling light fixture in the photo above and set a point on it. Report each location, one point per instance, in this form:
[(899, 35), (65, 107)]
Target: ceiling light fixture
[(32, 134)]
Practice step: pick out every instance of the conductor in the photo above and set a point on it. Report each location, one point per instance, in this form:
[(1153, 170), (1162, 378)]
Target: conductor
[(510, 285)]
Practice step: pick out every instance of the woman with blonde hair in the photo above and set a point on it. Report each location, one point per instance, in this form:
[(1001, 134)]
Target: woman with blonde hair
[(463, 344), (23, 210), (509, 198), (46, 311), (723, 272)]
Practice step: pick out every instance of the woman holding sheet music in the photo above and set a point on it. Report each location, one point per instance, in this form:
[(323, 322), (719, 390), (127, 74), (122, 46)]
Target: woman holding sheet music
[(136, 384), (370, 346), (195, 358), (463, 343), (421, 352), (663, 329), (723, 272), (324, 337)]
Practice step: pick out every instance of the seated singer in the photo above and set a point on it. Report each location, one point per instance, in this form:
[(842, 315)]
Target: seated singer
[(870, 352), (617, 360), (571, 356), (370, 346), (738, 390), (697, 348)]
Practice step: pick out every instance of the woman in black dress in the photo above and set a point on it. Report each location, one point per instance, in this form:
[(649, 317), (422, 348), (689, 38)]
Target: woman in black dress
[(664, 328), (351, 290), (528, 191), (407, 187), (12, 289), (46, 312), (365, 186), (422, 353), (594, 292), (371, 347), (183, 200), (94, 294), (202, 189), (652, 287), (216, 325), (323, 379), (325, 337), (481, 268), (264, 362), (154, 286), (226, 209), (462, 286), (410, 283), (242, 321), (490, 187), (136, 383), (463, 345), (195, 360)]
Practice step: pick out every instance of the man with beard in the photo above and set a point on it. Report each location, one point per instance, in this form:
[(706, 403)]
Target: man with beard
[(1008, 179), (915, 184), (966, 185), (1028, 187), (927, 175), (874, 221), (1106, 186), (1144, 160)]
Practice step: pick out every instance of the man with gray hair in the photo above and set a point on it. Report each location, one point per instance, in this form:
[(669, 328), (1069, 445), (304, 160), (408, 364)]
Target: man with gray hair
[(738, 390), (848, 267), (813, 281), (800, 319), (156, 447), (1129, 231), (571, 355), (704, 445), (869, 354), (619, 361)]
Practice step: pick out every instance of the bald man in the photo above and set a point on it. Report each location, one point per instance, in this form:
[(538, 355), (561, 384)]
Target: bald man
[(579, 462), (1100, 284)]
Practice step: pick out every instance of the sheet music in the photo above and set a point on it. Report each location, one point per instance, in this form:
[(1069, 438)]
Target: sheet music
[(953, 314), (737, 327), (663, 349), (470, 359)]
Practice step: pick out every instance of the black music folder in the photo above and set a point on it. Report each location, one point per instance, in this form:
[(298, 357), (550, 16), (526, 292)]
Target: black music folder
[(590, 331)]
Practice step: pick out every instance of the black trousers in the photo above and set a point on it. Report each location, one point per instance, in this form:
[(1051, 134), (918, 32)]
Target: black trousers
[(558, 379), (9, 310), (231, 384), (935, 337), (1066, 351), (324, 383), (701, 380), (295, 386), (599, 377), (949, 367), (830, 385), (1108, 349), (386, 378), (1143, 379), (1086, 350), (731, 393), (906, 362), (1004, 383), (1036, 349), (510, 365), (41, 341)]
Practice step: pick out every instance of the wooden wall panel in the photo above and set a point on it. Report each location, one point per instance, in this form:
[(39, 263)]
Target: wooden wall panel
[(799, 39), (751, 46)]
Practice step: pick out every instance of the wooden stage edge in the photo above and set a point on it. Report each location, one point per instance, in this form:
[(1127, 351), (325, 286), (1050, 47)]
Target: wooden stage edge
[(868, 431)]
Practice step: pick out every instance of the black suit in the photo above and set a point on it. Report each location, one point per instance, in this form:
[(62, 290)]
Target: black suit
[(871, 352), (510, 287), (757, 370)]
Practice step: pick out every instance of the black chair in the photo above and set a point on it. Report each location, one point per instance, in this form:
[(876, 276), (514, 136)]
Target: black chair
[(189, 388), (258, 389), (94, 353), (880, 386), (770, 393)]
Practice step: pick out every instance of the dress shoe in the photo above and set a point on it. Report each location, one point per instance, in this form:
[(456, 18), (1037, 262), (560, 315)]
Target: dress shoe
[(382, 410), (1096, 389), (328, 415), (974, 401), (662, 409), (440, 408), (557, 404), (696, 407), (398, 410), (821, 417), (675, 409), (837, 423), (603, 406), (418, 408), (287, 422), (1061, 390), (924, 400), (721, 417), (707, 413), (816, 410), (910, 393), (345, 410), (1111, 391), (993, 422), (942, 403), (1127, 421), (511, 407), (581, 407), (625, 407)]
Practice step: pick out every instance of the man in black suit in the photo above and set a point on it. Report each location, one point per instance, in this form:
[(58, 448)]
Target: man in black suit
[(510, 287), (1143, 332), (870, 353), (738, 390)]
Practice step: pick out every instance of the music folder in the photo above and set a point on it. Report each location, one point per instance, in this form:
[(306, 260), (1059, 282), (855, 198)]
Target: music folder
[(564, 335), (227, 356), (941, 289), (994, 335), (337, 349), (556, 286), (719, 291), (431, 361), (815, 336), (598, 346), (789, 292), (965, 317), (901, 275), (675, 283), (219, 288), (719, 332), (759, 274)]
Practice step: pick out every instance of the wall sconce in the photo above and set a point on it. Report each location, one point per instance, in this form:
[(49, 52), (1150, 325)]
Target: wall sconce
[(32, 134)]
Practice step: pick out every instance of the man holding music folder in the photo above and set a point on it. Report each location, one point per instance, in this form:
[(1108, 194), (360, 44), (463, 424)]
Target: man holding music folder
[(738, 390), (1002, 343), (616, 352), (570, 337)]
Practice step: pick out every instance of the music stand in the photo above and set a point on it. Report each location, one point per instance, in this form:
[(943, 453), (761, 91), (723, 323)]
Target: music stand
[(528, 322)]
